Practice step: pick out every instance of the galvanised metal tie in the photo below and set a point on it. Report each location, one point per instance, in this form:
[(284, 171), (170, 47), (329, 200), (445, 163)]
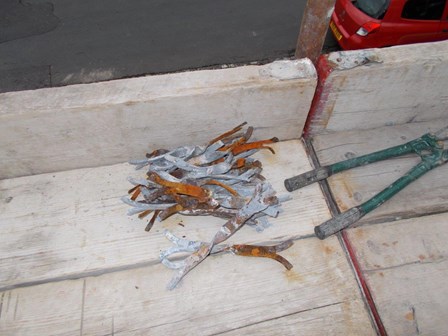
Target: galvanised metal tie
[(218, 179), (182, 245), (430, 147)]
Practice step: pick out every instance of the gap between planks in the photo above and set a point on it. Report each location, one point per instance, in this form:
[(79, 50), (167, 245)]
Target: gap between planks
[(369, 303), (74, 224), (426, 195), (405, 264), (304, 299), (223, 294)]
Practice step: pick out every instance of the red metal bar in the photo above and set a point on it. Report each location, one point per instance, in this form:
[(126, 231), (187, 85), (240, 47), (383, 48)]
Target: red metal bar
[(313, 29), (364, 285), (320, 98)]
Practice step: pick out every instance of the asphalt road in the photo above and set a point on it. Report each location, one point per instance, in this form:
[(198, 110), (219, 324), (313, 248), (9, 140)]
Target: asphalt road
[(62, 42)]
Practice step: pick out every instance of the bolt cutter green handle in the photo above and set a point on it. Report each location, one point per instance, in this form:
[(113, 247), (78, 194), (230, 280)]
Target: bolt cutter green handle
[(351, 216), (420, 146), (428, 147)]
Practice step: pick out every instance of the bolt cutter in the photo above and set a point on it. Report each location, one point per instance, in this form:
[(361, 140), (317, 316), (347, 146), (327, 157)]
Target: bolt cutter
[(430, 148)]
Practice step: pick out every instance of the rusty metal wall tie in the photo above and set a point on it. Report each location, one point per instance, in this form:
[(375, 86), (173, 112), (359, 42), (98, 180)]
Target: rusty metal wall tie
[(200, 250), (264, 252), (138, 207), (218, 179), (262, 198)]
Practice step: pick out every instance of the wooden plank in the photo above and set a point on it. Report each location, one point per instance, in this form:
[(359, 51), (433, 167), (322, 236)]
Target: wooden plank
[(98, 124), (371, 88), (331, 319), (223, 294), (405, 264), (72, 224), (425, 196), (54, 309)]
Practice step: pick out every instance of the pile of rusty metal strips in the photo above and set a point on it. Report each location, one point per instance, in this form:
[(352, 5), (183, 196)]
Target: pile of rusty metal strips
[(218, 179)]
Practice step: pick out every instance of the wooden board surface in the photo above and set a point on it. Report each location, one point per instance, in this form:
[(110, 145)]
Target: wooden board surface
[(425, 196), (405, 264), (72, 224), (99, 124), (371, 88), (73, 263), (225, 294)]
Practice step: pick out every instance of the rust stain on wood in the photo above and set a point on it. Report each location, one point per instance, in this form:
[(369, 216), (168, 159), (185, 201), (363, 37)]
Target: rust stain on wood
[(347, 187), (293, 276), (344, 190), (328, 249), (359, 234), (409, 316), (343, 207)]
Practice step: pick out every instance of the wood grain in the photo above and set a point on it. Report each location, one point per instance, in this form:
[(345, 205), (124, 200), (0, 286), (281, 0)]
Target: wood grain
[(425, 196), (405, 264), (374, 88), (72, 224), (224, 294), (54, 309), (90, 125)]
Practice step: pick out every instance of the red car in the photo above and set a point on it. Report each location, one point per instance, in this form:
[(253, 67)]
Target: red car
[(380, 23)]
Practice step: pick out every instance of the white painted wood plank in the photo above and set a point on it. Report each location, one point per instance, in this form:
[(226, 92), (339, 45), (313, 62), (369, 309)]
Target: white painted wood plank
[(67, 224), (329, 320), (425, 196), (54, 309), (225, 293), (99, 124), (405, 264), (378, 87)]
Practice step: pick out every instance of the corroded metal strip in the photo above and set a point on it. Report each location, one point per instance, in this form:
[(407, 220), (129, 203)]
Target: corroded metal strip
[(218, 179)]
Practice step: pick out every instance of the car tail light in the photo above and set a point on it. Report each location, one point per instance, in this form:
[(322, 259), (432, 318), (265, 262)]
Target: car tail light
[(368, 28)]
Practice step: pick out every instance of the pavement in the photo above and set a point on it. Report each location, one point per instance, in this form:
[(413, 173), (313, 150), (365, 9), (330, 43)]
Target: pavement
[(46, 44)]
